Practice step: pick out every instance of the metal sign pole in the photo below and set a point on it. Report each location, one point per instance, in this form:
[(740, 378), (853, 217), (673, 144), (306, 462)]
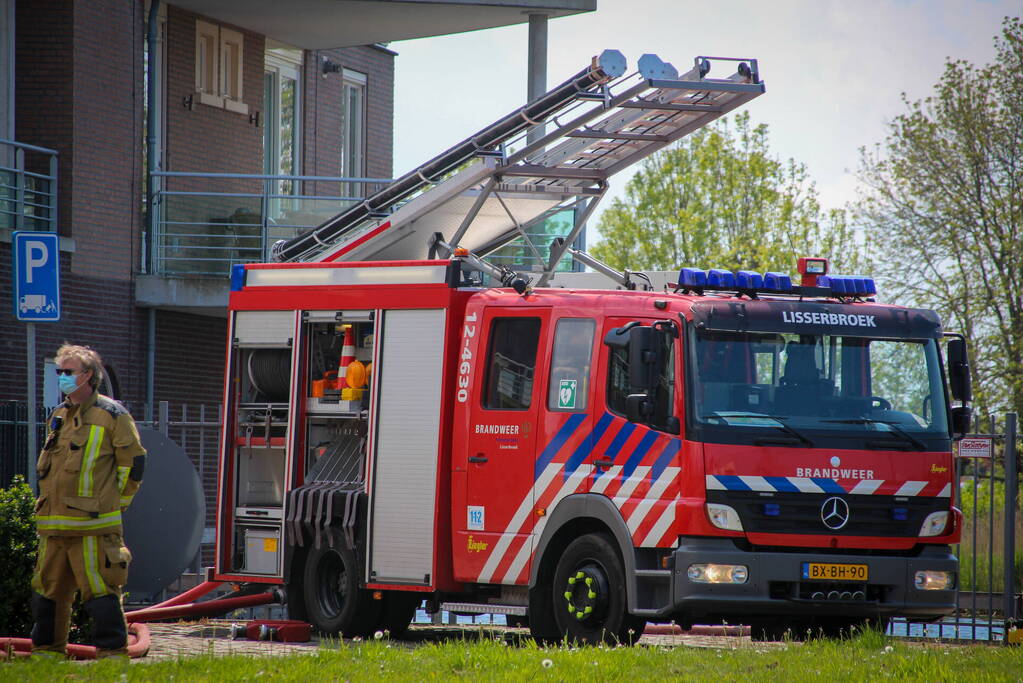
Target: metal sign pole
[(1009, 543), (35, 259), (30, 352)]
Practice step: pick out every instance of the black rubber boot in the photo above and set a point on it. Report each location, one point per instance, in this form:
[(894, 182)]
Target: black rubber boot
[(44, 611), (109, 630)]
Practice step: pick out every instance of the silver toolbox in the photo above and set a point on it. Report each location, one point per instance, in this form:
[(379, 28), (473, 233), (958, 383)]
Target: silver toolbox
[(262, 550)]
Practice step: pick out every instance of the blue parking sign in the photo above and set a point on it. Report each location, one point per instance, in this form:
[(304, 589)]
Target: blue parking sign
[(36, 276)]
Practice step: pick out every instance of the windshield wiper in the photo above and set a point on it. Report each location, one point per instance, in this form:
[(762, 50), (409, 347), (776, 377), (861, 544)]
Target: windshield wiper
[(896, 429), (780, 420)]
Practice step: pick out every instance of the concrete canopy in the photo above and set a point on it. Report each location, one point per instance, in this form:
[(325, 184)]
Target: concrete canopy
[(322, 24)]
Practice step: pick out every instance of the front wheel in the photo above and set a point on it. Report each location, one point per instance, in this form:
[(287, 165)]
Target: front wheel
[(333, 599), (589, 598)]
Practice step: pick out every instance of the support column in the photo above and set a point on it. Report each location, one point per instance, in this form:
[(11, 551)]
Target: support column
[(536, 84)]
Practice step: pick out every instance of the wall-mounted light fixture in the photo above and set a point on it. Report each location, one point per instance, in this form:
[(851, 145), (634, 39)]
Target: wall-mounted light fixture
[(329, 66)]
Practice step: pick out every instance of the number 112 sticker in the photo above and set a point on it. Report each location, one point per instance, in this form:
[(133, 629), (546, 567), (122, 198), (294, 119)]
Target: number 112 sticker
[(476, 518)]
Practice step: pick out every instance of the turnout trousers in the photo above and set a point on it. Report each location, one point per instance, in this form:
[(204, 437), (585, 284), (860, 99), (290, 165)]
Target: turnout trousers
[(94, 566)]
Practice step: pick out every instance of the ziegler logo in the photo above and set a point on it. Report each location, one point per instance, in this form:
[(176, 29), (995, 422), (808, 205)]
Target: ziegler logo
[(938, 469), (465, 367), (475, 546)]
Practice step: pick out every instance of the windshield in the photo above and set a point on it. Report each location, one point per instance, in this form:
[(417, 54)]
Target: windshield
[(817, 389)]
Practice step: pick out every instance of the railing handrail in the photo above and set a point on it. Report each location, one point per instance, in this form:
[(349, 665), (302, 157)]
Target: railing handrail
[(30, 148), (260, 176)]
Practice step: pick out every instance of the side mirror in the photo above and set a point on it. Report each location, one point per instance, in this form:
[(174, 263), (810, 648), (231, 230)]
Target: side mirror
[(962, 420), (959, 382), (643, 359)]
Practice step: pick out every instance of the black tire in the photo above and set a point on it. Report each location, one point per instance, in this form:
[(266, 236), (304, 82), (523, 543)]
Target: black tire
[(589, 601), (293, 588), (542, 626), (398, 612), (333, 599)]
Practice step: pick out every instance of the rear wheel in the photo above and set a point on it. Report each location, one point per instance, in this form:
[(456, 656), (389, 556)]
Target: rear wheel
[(333, 600), (398, 612), (589, 594)]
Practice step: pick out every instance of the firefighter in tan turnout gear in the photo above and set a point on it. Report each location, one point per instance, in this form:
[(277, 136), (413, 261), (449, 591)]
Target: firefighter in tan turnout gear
[(90, 467)]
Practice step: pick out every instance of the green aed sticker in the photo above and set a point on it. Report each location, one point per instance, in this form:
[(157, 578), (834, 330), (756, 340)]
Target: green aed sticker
[(567, 393)]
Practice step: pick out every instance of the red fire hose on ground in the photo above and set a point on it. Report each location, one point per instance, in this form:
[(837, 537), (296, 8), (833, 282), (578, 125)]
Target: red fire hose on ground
[(138, 632)]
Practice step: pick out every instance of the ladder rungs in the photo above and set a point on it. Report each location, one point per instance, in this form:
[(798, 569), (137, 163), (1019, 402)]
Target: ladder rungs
[(618, 136), (530, 171), (707, 86), (644, 104)]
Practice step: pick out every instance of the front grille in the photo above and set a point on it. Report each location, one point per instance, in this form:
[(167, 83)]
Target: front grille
[(820, 591), (800, 513)]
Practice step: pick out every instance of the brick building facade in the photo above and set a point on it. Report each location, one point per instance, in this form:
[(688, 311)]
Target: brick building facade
[(79, 83)]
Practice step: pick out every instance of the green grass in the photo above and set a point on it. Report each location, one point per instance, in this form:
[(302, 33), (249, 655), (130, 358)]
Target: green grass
[(868, 657)]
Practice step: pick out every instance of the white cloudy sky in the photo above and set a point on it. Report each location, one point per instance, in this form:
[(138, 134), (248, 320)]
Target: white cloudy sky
[(834, 69)]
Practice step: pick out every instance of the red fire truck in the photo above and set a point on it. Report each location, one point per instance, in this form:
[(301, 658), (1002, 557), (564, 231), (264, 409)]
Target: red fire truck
[(406, 421), (735, 448)]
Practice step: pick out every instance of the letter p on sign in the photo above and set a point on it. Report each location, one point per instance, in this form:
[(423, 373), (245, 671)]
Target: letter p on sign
[(35, 257)]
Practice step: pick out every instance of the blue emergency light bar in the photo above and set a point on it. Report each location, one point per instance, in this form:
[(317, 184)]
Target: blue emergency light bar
[(750, 282), (848, 285), (743, 281)]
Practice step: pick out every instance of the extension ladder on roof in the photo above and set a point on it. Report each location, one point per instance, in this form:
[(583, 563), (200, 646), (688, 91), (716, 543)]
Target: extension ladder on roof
[(489, 189)]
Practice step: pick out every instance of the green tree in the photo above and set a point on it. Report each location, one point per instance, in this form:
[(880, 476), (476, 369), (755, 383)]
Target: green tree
[(17, 557), (719, 198), (944, 209)]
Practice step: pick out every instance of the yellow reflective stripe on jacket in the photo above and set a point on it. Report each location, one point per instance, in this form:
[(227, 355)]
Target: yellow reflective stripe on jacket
[(122, 478), (85, 478), (96, 584), (126, 501), (67, 522)]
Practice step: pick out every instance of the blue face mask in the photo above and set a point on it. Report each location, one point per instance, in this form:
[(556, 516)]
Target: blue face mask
[(67, 383)]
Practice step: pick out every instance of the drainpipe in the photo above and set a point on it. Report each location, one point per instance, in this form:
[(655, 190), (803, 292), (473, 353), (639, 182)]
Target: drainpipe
[(151, 41), (150, 365), (150, 230)]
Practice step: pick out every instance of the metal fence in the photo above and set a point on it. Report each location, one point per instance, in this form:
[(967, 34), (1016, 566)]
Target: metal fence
[(991, 560), (206, 222), (28, 187), (195, 428)]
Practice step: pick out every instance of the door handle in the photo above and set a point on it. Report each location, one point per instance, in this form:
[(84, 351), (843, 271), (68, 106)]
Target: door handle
[(478, 458), (603, 464)]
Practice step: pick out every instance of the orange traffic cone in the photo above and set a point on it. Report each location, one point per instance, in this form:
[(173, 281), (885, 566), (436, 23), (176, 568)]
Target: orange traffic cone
[(347, 356)]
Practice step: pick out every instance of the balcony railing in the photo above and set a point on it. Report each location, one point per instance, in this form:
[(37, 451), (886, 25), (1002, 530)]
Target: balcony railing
[(203, 223), (28, 187)]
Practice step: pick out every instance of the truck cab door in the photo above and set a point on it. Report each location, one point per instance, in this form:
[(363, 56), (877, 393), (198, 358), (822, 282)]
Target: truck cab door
[(503, 410)]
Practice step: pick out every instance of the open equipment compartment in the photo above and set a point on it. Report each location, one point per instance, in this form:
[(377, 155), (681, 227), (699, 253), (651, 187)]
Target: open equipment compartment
[(261, 367), (339, 354)]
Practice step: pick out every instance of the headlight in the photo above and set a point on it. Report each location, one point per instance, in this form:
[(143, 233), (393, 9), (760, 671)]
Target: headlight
[(718, 573), (724, 517), (929, 580), (935, 524)]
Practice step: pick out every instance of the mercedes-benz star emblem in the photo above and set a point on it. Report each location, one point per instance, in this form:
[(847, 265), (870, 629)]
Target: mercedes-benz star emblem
[(835, 513)]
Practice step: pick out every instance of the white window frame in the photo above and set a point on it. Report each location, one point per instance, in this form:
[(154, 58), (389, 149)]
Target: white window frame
[(282, 62), (231, 54), (219, 61), (353, 80), (207, 71)]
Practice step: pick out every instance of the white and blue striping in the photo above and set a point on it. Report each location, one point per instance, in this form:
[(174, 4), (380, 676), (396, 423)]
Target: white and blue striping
[(731, 482)]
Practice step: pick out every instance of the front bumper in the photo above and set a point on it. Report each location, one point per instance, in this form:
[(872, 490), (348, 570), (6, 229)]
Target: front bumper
[(775, 586)]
